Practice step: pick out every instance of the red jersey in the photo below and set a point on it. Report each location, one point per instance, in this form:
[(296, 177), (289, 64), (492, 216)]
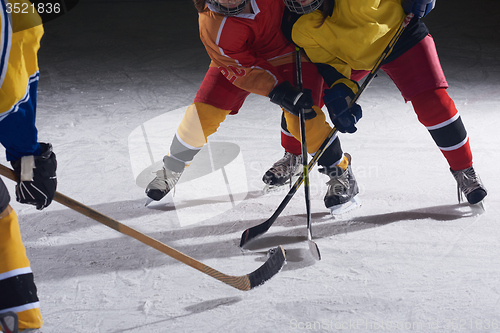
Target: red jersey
[(247, 47)]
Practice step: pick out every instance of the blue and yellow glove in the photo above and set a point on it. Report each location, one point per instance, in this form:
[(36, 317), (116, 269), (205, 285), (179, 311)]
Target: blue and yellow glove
[(419, 8), (337, 100)]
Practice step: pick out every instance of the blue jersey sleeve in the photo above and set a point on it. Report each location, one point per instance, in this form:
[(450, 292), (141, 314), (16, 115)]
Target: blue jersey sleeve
[(18, 133)]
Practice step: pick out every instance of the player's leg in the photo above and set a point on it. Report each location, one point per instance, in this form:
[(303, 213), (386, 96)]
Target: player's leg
[(342, 185), (17, 287), (419, 76), (215, 99)]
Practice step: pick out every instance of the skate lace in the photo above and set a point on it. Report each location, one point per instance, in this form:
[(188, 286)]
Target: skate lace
[(467, 181), (165, 179), (338, 184), (287, 164)]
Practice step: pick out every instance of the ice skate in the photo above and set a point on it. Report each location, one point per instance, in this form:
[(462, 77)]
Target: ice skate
[(341, 196), (470, 185), (284, 171), (165, 179), (8, 322)]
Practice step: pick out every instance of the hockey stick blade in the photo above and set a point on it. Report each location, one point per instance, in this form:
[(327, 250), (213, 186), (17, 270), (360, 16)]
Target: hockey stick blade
[(313, 247), (245, 282), (253, 232), (271, 267), (260, 229)]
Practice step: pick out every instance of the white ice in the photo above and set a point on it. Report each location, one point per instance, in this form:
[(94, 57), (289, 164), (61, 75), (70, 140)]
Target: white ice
[(410, 259)]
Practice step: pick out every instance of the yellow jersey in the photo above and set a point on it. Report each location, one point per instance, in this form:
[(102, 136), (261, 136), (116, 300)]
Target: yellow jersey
[(353, 37), (20, 33)]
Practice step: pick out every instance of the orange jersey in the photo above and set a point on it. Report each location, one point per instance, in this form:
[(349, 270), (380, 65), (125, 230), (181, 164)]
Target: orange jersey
[(247, 47)]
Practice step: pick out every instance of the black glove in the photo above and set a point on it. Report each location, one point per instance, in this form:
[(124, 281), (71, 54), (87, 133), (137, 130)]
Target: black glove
[(36, 176), (337, 100), (293, 99)]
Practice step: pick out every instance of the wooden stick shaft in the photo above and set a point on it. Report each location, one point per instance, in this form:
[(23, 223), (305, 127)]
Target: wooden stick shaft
[(120, 227)]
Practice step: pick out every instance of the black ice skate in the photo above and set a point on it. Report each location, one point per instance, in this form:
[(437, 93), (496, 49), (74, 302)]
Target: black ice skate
[(8, 322), (284, 171), (341, 195), (165, 179), (469, 183)]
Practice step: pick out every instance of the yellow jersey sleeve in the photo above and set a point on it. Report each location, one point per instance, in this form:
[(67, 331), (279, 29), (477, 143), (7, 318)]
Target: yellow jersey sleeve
[(20, 35)]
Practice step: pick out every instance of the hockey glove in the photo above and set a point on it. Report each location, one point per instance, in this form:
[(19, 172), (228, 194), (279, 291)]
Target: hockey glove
[(36, 175), (419, 8), (293, 99), (337, 100)]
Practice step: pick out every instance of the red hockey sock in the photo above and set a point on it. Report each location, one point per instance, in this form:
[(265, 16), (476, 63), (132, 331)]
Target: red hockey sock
[(437, 112), (290, 144)]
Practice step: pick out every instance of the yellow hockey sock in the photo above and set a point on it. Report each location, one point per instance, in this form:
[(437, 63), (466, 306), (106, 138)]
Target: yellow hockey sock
[(16, 277)]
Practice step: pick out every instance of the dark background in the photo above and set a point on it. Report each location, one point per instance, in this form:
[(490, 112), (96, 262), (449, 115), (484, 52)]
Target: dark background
[(99, 43)]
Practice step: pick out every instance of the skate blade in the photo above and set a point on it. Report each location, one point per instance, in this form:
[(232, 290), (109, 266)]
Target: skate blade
[(272, 188), (480, 205), (276, 188), (346, 207), (148, 201)]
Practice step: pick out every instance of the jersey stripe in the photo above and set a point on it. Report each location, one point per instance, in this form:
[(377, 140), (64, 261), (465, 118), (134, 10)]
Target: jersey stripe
[(24, 307), (14, 272), (451, 136), (444, 123), (455, 147), (18, 291), (218, 35), (27, 96)]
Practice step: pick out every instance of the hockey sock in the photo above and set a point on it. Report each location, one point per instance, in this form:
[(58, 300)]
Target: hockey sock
[(180, 155), (17, 285), (437, 112), (343, 164), (288, 142), (200, 121), (333, 156)]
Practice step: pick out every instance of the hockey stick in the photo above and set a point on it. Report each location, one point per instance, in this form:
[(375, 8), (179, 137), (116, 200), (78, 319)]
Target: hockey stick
[(313, 247), (245, 282), (259, 229)]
